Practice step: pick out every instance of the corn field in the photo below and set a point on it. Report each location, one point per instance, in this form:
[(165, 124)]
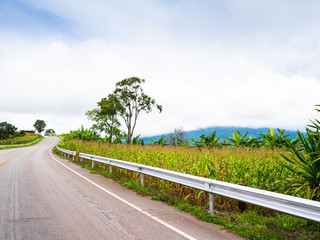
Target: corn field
[(255, 167)]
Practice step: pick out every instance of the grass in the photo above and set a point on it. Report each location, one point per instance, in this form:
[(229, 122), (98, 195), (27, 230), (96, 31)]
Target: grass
[(255, 223), (30, 137)]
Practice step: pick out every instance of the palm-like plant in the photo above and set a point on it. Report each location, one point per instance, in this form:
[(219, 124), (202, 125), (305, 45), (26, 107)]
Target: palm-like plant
[(315, 124), (305, 162)]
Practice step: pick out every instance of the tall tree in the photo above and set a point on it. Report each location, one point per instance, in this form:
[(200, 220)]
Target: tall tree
[(49, 132), (133, 100), (39, 125), (6, 129), (105, 117)]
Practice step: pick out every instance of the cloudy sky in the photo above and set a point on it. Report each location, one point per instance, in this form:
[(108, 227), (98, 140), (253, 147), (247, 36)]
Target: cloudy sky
[(207, 62)]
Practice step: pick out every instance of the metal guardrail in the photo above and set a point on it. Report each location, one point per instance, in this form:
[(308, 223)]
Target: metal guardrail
[(20, 145), (295, 206), (66, 153)]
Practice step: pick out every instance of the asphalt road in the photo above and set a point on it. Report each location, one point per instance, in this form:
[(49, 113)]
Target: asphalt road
[(45, 197)]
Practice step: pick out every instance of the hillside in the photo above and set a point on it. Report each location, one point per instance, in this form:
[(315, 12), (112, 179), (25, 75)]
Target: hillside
[(222, 132)]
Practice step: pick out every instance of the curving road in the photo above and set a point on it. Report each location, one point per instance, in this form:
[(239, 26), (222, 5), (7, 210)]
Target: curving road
[(45, 197)]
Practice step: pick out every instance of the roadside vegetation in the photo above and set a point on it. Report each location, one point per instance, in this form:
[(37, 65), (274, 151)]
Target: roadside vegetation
[(272, 162), (25, 139), (9, 136), (256, 167)]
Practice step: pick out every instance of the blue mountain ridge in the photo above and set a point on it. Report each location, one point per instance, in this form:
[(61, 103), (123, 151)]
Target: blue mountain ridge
[(222, 132)]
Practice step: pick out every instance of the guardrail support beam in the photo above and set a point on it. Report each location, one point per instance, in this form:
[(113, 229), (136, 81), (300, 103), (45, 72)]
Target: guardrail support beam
[(142, 179), (92, 164), (110, 169), (211, 203)]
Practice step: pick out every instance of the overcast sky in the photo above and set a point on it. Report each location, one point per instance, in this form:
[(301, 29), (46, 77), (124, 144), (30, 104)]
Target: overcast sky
[(207, 62)]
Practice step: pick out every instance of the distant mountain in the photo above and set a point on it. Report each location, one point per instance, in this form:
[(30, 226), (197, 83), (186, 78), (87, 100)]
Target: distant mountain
[(222, 132)]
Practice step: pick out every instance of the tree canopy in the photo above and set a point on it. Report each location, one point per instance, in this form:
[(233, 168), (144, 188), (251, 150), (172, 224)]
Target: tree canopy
[(39, 125), (6, 130), (126, 102), (49, 132), (105, 117), (133, 100)]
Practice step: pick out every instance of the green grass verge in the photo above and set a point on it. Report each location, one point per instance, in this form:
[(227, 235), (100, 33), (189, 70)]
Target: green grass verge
[(24, 140), (254, 224)]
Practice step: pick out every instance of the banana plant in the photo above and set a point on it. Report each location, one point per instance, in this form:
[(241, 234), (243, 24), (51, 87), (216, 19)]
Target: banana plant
[(137, 141), (208, 141), (183, 143), (162, 141), (82, 134), (239, 139), (279, 140)]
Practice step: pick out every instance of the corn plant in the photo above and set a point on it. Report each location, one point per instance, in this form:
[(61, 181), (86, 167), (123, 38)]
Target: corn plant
[(255, 167)]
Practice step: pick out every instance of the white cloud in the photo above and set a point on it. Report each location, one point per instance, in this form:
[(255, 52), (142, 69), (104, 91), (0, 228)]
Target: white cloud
[(211, 72)]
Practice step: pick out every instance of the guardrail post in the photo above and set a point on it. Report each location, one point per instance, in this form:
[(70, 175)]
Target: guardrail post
[(211, 203), (73, 157), (142, 179), (92, 164), (110, 169), (80, 159)]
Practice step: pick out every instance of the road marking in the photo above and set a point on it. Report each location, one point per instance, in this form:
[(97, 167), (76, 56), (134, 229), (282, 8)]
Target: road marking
[(128, 203), (13, 156)]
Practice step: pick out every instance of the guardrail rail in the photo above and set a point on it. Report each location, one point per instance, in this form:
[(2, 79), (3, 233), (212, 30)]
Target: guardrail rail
[(295, 206), (67, 153)]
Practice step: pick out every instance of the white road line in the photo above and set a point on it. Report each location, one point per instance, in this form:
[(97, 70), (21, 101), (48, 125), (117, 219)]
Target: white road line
[(128, 203)]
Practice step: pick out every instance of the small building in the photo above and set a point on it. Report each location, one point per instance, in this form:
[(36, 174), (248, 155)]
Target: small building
[(29, 131)]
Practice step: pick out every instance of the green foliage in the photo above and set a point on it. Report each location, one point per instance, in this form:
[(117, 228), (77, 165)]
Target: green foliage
[(315, 126), (253, 224), (133, 100), (6, 130), (82, 134), (163, 141), (177, 138), (105, 117), (49, 132), (137, 141), (279, 226), (306, 165), (27, 138), (39, 125), (239, 139), (279, 140), (207, 141), (305, 162)]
